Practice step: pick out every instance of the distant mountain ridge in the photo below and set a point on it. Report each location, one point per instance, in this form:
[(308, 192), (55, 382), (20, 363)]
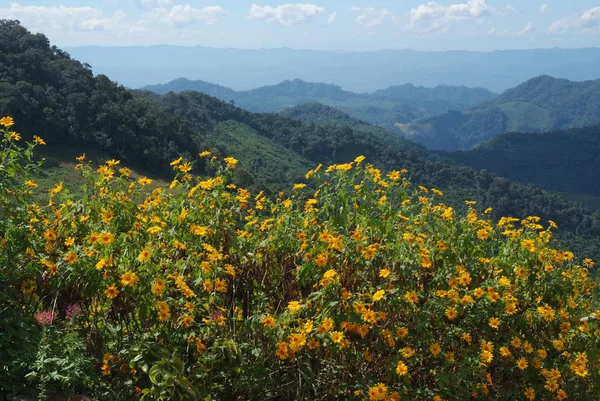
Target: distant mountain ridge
[(540, 104), (357, 71), (386, 107)]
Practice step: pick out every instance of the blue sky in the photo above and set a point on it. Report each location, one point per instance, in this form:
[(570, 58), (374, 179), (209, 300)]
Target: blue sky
[(318, 24)]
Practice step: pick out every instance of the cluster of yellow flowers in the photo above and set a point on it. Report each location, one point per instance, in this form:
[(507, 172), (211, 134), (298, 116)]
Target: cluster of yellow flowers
[(356, 285)]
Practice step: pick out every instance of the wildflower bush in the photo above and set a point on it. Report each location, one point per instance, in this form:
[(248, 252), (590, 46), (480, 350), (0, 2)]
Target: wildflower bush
[(364, 287)]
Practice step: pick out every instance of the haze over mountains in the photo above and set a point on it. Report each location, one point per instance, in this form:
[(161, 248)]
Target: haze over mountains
[(242, 69), (441, 118), (384, 107)]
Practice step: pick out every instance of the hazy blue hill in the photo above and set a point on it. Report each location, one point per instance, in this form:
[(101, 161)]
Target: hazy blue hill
[(447, 95), (183, 84), (537, 105), (386, 108), (565, 161), (243, 69)]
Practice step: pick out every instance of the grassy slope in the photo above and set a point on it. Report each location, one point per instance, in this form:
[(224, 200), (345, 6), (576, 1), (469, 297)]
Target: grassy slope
[(59, 166)]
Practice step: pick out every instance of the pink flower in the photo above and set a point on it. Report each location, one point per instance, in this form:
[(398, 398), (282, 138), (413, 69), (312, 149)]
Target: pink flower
[(44, 317), (73, 311)]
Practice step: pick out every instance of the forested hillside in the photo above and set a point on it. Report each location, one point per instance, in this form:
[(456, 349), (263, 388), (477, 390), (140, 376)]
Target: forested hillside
[(564, 161), (540, 104), (60, 99), (387, 107)]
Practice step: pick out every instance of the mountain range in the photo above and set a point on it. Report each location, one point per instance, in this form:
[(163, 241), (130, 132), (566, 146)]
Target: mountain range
[(387, 107), (367, 71), (441, 118)]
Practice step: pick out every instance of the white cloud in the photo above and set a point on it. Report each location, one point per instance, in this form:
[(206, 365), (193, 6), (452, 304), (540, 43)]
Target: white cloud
[(61, 18), (287, 14), (154, 3), (492, 31), (543, 8), (181, 15), (526, 29), (587, 21), (332, 18), (370, 16), (433, 16)]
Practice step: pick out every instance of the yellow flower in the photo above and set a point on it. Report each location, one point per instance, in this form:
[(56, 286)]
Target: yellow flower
[(105, 238), (71, 257), (111, 292), (294, 306), (494, 323), (231, 162), (144, 181), (378, 392), (451, 313), (435, 349), (402, 332), (337, 337), (298, 186), (522, 363), (378, 296), (530, 394), (269, 322), (407, 352), (282, 350), (384, 273), (401, 368), (394, 175), (558, 344), (505, 352), (325, 326), (7, 122), (297, 341), (411, 297), (154, 230), (321, 259), (50, 236), (204, 154), (186, 320), (159, 286), (129, 279), (144, 256), (220, 285), (38, 140), (164, 311)]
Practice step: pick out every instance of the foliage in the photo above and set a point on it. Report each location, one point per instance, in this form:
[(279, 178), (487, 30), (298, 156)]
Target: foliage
[(539, 104), (369, 288)]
